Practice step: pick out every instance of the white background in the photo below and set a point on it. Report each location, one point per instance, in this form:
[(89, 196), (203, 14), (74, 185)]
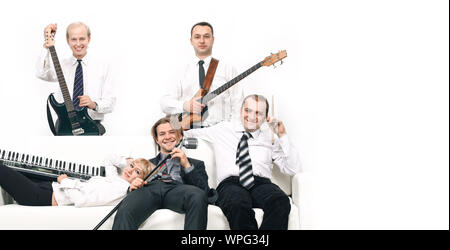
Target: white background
[(363, 92)]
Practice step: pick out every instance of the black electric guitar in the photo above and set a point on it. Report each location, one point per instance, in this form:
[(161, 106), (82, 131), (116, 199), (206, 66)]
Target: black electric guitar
[(70, 121), (187, 119)]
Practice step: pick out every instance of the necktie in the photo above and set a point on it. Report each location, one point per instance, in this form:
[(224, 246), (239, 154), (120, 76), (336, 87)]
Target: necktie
[(78, 86), (165, 175), (201, 73), (244, 162)]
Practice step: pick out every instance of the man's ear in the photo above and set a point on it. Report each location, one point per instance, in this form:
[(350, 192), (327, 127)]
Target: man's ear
[(179, 136)]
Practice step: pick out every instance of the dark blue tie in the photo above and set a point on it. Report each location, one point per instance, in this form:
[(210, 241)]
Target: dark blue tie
[(78, 86)]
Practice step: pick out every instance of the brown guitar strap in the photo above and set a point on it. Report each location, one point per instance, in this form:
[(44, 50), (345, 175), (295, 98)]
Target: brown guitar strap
[(210, 74)]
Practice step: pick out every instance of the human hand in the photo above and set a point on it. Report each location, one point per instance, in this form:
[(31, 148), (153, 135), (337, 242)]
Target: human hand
[(193, 105), (49, 33), (85, 101), (62, 177), (277, 126), (137, 183), (178, 153)]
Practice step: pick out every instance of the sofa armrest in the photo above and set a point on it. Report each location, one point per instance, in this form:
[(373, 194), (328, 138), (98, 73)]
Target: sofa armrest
[(296, 181), (5, 198), (296, 188)]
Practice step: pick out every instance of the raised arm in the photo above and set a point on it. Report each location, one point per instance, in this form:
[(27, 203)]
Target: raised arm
[(44, 65)]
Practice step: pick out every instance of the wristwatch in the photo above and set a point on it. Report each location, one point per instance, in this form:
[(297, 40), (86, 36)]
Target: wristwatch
[(96, 106)]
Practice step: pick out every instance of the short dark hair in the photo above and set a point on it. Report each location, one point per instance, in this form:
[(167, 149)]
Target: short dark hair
[(163, 120), (257, 98), (203, 24)]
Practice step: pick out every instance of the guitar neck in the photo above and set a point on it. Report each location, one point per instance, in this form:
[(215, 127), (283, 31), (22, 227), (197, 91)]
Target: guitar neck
[(229, 84), (62, 82)]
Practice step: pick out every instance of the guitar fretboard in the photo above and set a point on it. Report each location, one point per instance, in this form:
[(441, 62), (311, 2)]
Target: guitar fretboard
[(61, 80), (208, 97)]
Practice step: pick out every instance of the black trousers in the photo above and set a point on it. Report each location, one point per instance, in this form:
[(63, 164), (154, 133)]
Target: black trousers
[(237, 202), (24, 190), (140, 204)]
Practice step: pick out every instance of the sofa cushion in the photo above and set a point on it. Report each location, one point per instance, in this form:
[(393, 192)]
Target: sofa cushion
[(15, 216)]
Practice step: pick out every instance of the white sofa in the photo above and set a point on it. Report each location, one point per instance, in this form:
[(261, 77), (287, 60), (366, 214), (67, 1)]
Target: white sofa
[(93, 151)]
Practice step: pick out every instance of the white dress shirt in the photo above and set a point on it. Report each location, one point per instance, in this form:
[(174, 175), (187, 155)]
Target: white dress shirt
[(224, 107), (225, 138), (97, 191), (97, 80)]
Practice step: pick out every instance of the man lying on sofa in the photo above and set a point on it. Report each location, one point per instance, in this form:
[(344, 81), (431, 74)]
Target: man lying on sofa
[(244, 155), (182, 186)]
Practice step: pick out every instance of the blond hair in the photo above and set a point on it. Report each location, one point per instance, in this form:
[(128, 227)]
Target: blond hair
[(146, 165), (78, 24)]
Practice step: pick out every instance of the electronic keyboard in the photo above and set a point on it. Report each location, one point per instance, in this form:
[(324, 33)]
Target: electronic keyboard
[(47, 169)]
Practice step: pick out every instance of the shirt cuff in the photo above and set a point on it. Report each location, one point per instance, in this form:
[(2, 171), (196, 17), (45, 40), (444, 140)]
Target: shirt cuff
[(189, 169), (44, 63), (68, 183), (284, 143)]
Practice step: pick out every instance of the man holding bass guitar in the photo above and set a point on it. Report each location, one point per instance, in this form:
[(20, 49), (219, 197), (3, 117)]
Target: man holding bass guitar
[(181, 95), (86, 77)]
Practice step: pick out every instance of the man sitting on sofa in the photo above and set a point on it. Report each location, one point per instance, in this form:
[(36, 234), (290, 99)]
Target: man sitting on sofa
[(182, 186), (244, 156)]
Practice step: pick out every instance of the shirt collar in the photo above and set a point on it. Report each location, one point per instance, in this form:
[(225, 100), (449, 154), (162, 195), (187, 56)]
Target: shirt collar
[(162, 156), (239, 128), (206, 60), (84, 60)]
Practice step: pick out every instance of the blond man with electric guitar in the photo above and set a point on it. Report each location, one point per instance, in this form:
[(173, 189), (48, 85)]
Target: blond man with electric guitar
[(86, 85)]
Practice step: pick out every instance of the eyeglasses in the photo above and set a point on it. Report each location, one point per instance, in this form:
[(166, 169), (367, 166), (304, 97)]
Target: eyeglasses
[(135, 169)]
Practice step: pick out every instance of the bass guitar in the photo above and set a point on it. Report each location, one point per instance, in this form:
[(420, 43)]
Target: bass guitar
[(187, 120), (70, 121)]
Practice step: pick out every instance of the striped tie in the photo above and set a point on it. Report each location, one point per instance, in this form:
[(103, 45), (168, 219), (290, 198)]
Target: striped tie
[(78, 86), (244, 162)]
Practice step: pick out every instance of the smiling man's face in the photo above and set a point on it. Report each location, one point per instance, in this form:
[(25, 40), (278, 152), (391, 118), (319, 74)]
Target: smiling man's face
[(167, 137), (78, 40), (253, 114)]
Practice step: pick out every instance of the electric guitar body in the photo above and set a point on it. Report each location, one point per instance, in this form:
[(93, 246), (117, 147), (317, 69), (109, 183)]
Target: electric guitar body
[(79, 118)]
